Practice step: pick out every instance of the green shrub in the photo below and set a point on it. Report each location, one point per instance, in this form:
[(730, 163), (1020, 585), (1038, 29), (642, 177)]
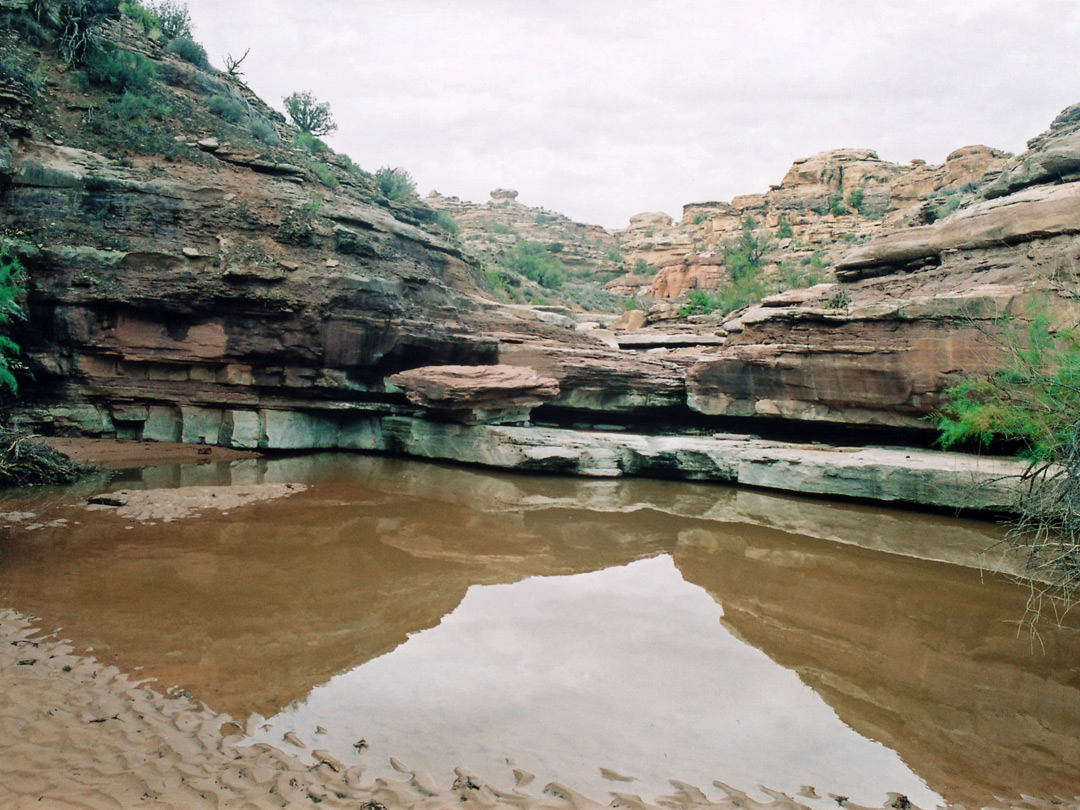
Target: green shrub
[(446, 222), (836, 206), (308, 114), (119, 70), (263, 130), (12, 277), (699, 219), (532, 260), (135, 108), (190, 51), (309, 143), (228, 107), (395, 184), (856, 200), (642, 268), (498, 227), (325, 175), (79, 23), (174, 19), (839, 300), (142, 16), (784, 230), (1032, 402), (544, 219), (744, 255)]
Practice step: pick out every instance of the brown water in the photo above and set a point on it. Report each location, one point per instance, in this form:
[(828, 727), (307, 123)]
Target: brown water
[(656, 629)]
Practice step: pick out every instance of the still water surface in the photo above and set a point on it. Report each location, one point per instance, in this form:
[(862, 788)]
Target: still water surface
[(659, 630)]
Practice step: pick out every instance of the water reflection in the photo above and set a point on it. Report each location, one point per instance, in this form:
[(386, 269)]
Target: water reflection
[(253, 610), (627, 668)]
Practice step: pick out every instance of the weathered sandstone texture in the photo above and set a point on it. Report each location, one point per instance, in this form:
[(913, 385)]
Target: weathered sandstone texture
[(231, 295)]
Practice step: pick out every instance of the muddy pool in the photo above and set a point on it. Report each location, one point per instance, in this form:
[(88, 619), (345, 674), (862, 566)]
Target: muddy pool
[(610, 635)]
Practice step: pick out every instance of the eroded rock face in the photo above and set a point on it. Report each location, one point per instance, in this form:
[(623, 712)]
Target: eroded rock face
[(477, 394)]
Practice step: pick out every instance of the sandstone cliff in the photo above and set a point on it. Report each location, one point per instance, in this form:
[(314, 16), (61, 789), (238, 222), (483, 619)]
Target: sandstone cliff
[(197, 272)]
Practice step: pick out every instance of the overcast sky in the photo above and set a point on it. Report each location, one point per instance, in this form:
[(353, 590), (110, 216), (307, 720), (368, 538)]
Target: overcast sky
[(601, 109)]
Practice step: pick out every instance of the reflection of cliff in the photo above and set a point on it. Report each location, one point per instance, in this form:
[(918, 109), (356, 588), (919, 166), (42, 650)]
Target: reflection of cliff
[(922, 657), (248, 611)]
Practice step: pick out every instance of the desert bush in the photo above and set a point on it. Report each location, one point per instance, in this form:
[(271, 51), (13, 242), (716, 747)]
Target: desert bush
[(228, 107), (27, 461), (1032, 402), (119, 70), (190, 51), (784, 231), (136, 108), (142, 16), (79, 23), (446, 222), (395, 184), (325, 175), (308, 114), (174, 19), (744, 255), (263, 130), (836, 206), (532, 260)]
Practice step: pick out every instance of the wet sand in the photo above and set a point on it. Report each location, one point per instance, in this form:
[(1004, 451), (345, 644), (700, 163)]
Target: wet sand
[(117, 454), (75, 733)]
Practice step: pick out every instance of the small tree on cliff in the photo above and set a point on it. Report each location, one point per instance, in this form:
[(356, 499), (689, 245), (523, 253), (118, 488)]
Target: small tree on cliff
[(310, 115)]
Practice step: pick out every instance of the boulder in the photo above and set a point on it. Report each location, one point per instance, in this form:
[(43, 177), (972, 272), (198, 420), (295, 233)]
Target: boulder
[(477, 394)]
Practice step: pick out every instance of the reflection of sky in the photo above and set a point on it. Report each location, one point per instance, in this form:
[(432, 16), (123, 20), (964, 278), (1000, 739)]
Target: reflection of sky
[(626, 668)]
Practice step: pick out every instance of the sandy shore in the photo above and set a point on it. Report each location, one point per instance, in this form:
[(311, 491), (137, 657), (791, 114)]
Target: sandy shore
[(116, 454), (75, 733)]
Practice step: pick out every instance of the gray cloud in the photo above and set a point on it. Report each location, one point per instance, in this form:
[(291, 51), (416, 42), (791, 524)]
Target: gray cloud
[(605, 108)]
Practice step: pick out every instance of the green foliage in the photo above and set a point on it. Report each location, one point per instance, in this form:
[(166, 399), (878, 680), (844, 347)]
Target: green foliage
[(744, 255), (499, 228), (134, 108), (174, 19), (309, 114), (839, 300), (309, 143), (446, 222), (12, 276), (836, 206), (642, 268), (262, 130), (119, 70), (190, 51), (784, 230), (325, 175), (614, 257), (802, 275), (700, 218), (942, 209), (545, 219), (532, 260), (395, 184), (856, 200), (1032, 401), (142, 16), (228, 107)]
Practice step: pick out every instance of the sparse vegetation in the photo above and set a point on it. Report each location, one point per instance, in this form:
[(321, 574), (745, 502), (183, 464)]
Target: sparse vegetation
[(836, 206), (325, 175), (784, 231), (12, 276), (228, 107), (298, 224), (190, 51), (27, 461), (309, 114), (533, 261), (174, 19), (1032, 403), (395, 184), (119, 70)]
